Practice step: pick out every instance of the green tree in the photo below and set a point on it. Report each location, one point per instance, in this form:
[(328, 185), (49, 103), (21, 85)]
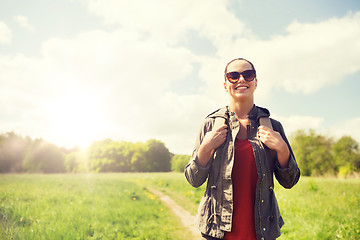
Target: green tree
[(44, 157), (71, 162), (158, 156), (313, 153), (101, 156), (138, 158), (12, 152), (178, 162), (111, 156), (346, 155), (76, 161), (125, 151)]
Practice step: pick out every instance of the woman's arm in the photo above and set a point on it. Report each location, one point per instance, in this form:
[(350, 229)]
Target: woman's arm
[(208, 140), (274, 141), (287, 171), (211, 142)]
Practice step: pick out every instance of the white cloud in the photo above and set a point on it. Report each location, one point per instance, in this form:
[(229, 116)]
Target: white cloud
[(5, 33), (129, 79), (296, 122), (24, 90), (127, 73), (169, 21), (24, 22), (347, 127), (310, 56)]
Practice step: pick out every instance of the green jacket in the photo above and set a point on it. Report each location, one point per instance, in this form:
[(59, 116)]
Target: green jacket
[(216, 207)]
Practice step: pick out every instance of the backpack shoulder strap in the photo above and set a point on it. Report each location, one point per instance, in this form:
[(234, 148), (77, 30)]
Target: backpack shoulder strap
[(265, 121), (219, 121)]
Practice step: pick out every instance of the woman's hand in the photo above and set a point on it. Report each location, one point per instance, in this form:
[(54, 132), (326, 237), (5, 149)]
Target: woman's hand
[(215, 138), (210, 143), (274, 141)]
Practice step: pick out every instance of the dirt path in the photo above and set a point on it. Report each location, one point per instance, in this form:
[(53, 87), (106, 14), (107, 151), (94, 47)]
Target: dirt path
[(185, 217)]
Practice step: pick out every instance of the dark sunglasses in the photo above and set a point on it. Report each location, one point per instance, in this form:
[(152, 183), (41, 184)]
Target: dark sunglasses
[(234, 77)]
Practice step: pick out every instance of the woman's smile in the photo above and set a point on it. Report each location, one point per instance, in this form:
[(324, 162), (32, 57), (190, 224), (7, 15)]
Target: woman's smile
[(241, 87)]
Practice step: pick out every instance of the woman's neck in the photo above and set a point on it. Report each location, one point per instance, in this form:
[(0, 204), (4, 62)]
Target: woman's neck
[(241, 109)]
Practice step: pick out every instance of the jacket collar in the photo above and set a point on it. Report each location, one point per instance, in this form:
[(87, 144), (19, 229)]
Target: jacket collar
[(258, 112), (221, 112), (255, 113)]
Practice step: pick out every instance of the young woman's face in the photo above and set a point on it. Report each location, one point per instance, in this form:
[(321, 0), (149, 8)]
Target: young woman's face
[(242, 89)]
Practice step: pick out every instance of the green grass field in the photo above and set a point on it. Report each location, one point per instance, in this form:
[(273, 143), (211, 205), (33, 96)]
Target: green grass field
[(100, 206), (118, 206)]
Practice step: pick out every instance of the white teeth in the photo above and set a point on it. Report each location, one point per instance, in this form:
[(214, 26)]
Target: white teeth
[(241, 88)]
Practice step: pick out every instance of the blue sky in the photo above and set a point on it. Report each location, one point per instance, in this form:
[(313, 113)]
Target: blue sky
[(75, 71)]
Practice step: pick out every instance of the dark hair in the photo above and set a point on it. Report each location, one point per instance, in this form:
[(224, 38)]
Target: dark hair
[(252, 65)]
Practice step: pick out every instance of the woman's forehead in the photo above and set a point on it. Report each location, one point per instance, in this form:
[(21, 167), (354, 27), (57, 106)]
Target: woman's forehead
[(239, 65)]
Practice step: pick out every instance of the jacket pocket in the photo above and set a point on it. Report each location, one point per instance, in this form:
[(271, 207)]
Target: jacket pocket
[(204, 213), (274, 219)]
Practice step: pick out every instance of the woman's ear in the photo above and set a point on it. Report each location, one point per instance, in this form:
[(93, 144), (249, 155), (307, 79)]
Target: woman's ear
[(255, 82), (225, 87)]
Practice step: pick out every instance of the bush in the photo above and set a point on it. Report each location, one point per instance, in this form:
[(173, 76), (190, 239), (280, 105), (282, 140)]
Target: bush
[(345, 171), (178, 162)]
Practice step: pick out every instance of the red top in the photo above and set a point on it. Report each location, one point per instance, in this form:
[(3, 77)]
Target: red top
[(244, 178)]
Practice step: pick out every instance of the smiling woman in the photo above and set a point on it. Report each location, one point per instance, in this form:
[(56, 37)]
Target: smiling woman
[(76, 119)]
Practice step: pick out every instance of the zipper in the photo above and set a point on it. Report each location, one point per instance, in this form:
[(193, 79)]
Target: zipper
[(257, 151), (260, 196)]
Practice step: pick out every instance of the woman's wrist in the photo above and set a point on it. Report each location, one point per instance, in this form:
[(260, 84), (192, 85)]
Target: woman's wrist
[(283, 154), (204, 154)]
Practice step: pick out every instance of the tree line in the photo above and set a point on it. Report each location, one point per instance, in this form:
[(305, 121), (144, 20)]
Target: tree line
[(25, 155), (317, 155)]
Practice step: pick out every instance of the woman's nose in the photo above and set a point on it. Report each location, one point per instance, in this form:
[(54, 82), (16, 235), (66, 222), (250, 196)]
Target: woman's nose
[(241, 78)]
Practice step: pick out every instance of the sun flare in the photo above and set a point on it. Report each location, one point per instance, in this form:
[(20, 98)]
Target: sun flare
[(77, 120)]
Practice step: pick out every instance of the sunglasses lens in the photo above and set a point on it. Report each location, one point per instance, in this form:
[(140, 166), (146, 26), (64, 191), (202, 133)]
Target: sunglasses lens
[(248, 75), (233, 76)]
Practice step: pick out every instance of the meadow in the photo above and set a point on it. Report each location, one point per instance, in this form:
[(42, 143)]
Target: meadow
[(119, 206)]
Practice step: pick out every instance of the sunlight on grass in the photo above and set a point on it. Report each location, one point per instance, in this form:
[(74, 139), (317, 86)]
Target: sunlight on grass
[(119, 206), (103, 206)]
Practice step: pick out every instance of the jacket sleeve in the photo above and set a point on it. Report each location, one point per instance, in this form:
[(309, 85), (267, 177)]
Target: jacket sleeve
[(289, 176), (195, 174)]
